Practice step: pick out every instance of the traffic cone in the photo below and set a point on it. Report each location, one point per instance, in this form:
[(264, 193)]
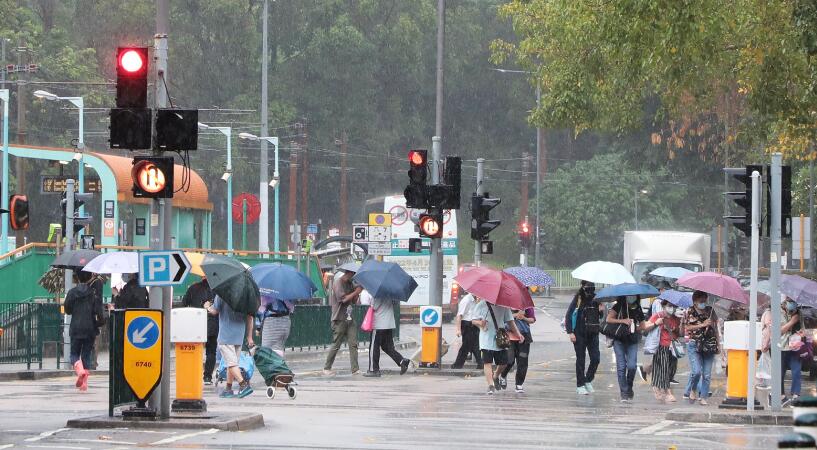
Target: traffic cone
[(82, 376)]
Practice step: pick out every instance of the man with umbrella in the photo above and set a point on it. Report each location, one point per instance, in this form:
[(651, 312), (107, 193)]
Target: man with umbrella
[(233, 328), (197, 296), (341, 298)]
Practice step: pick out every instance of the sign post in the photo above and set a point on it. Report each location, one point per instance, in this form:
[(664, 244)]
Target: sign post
[(431, 320), (163, 268), (142, 356)]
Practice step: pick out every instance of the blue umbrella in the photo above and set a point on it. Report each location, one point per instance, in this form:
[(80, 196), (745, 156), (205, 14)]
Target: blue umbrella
[(385, 280), (670, 272), (677, 298), (531, 276), (282, 282), (625, 289)]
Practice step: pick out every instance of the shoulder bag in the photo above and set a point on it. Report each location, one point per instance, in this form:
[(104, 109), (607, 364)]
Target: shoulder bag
[(676, 346), (707, 343), (806, 351), (502, 339), (618, 331)]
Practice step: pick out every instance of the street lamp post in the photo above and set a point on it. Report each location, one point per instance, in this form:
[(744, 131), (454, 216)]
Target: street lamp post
[(637, 192), (4, 203), (227, 177), (276, 178)]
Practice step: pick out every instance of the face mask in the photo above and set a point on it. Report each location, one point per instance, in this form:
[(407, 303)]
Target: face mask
[(701, 305), (589, 290), (791, 306), (669, 310), (632, 300)]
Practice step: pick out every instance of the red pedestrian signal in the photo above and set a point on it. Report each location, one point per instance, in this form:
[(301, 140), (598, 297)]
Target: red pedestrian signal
[(152, 177), (431, 225), (18, 212)]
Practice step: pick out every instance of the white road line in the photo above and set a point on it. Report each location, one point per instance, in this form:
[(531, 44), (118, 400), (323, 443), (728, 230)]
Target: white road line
[(654, 428), (180, 437), (45, 434), (58, 446), (6, 446), (105, 441)]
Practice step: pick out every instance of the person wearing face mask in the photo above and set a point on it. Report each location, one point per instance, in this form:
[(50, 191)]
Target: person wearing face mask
[(664, 363), (582, 327), (627, 311), (791, 338), (700, 323)]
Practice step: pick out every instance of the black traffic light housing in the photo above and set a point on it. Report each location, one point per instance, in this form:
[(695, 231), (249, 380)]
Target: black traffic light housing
[(743, 198), (416, 191), (131, 120), (785, 203), (18, 212), (80, 222), (177, 129), (152, 176), (481, 223), (130, 128), (431, 225), (524, 234)]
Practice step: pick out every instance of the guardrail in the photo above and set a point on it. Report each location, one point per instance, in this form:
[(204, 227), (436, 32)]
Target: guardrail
[(26, 327), (311, 326), (562, 279)]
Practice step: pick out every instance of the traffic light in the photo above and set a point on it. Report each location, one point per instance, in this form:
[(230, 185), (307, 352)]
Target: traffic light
[(524, 234), (80, 222), (785, 200), (481, 224), (18, 212), (452, 175), (152, 176), (431, 225), (415, 192), (130, 126), (177, 129), (743, 198)]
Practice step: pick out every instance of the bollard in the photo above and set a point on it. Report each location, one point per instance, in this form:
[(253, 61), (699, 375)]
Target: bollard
[(736, 345), (189, 333), (431, 319), (796, 440)]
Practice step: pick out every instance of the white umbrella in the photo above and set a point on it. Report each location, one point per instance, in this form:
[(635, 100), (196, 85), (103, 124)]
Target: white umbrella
[(603, 272), (114, 262)]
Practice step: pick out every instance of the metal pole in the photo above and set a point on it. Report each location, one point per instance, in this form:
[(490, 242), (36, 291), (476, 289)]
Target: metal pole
[(436, 262), (725, 222), (480, 191), (4, 201), (277, 175), (776, 249), (243, 224), (802, 241), (80, 104), (3, 59), (69, 245), (750, 399), (263, 183), (539, 145), (636, 209), (811, 212), (230, 194)]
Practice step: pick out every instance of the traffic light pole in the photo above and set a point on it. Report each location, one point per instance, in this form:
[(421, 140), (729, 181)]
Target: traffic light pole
[(755, 245), (69, 280), (435, 279), (480, 191), (774, 278)]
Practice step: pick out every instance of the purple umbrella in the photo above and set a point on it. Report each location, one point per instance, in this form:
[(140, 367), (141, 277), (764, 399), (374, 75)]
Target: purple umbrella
[(713, 283), (801, 290), (677, 298)]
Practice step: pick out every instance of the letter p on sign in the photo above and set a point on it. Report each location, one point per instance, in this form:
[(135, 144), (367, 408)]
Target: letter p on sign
[(157, 268)]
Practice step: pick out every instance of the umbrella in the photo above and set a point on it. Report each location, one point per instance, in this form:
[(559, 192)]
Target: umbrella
[(531, 276), (195, 259), (74, 259), (114, 262), (625, 289), (801, 290), (385, 280), (603, 272), (232, 282), (495, 286), (350, 267), (677, 298), (714, 283), (282, 282), (53, 280), (670, 272)]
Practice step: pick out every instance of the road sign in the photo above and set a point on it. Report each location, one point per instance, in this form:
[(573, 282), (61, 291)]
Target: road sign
[(797, 240), (379, 248), (380, 219), (312, 228), (379, 234), (360, 232), (142, 353), (431, 316), (163, 268), (399, 214)]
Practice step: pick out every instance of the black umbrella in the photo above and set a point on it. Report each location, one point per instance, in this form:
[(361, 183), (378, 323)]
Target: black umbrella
[(232, 282), (74, 259)]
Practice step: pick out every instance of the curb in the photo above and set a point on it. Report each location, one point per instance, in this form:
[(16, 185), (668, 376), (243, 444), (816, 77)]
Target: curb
[(757, 418), (205, 421), (33, 375)]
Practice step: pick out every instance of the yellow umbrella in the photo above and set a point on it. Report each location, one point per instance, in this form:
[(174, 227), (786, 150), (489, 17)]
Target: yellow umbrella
[(195, 259)]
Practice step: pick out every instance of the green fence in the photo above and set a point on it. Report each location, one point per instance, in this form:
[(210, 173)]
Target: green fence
[(26, 327), (311, 326)]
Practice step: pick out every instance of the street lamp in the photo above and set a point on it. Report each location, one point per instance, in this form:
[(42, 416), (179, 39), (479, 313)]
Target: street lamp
[(637, 192), (80, 104), (227, 177), (273, 184), (4, 202)]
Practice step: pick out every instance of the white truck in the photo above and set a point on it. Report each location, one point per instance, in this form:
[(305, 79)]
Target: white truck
[(645, 251)]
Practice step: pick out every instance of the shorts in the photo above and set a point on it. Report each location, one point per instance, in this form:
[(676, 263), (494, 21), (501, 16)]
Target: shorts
[(499, 357), (229, 353)]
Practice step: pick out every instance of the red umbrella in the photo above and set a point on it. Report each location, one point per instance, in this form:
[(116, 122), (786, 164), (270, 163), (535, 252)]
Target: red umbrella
[(495, 286), (714, 283)]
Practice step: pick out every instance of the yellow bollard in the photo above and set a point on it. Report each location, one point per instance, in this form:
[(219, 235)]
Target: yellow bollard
[(189, 333), (737, 347), (737, 379), (189, 373), (431, 319)]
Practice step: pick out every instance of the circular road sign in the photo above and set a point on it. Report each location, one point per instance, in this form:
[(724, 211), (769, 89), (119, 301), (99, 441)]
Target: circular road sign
[(399, 214)]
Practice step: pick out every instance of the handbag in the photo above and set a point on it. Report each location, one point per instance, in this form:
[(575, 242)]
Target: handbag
[(806, 351), (708, 342), (502, 339), (618, 331), (676, 346), (368, 320)]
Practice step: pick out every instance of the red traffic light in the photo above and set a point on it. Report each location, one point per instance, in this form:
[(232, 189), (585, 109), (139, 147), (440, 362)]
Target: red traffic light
[(430, 226), (418, 157), (131, 61), (524, 228), (153, 177)]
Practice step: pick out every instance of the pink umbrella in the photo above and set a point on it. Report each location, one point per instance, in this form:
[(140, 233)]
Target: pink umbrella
[(495, 286), (717, 284)]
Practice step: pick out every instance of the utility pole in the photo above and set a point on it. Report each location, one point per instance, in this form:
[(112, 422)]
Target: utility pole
[(69, 245), (480, 191), (435, 277), (20, 163), (292, 212), (523, 188), (755, 244), (541, 167), (811, 211), (344, 188), (305, 174), (263, 183), (776, 253)]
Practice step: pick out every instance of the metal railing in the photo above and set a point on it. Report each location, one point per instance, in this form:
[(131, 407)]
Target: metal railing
[(311, 326), (562, 279), (26, 327)]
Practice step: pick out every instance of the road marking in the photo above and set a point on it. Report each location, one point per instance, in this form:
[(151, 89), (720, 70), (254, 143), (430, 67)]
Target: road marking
[(106, 441), (58, 446), (180, 437), (654, 428), (6, 446), (45, 434)]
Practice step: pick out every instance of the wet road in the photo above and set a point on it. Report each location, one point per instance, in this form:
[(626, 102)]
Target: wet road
[(411, 411)]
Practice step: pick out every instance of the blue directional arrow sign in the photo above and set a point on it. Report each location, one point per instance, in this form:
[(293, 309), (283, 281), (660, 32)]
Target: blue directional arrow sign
[(430, 316), (143, 332)]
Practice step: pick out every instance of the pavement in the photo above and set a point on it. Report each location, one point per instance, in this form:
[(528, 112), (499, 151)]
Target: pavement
[(415, 410)]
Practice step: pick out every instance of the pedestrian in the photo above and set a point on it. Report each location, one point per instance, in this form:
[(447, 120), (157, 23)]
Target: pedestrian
[(701, 325), (468, 332), (132, 295), (792, 338), (342, 297), (489, 318), (233, 329), (197, 296), (764, 365), (582, 327), (81, 305), (97, 283), (627, 311), (275, 323), (665, 362), (651, 342), (382, 335), (520, 349)]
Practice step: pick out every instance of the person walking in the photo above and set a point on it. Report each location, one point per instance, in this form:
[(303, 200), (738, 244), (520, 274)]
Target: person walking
[(582, 327), (132, 295), (701, 325), (627, 311), (382, 336), (520, 349), (651, 342), (468, 332), (489, 318), (664, 361), (233, 329), (275, 323), (197, 296), (342, 297), (792, 338), (81, 305)]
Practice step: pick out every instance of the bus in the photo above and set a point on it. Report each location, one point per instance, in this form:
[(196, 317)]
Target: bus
[(417, 264)]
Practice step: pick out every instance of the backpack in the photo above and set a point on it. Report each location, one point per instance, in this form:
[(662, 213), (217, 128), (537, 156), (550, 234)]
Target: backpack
[(591, 317)]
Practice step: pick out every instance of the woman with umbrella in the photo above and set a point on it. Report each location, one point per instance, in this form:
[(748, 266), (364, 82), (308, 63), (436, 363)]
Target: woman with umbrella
[(628, 312), (665, 362), (701, 324), (382, 334), (791, 340), (582, 327)]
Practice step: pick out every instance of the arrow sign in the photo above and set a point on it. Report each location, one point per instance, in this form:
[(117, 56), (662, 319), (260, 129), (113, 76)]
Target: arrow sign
[(163, 268), (139, 335)]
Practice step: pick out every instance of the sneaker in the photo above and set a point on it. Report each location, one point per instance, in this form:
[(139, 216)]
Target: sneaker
[(372, 374), (589, 388), (686, 396), (674, 382), (491, 390), (404, 365), (245, 391), (208, 381), (625, 399), (581, 390), (704, 402), (503, 382), (227, 393), (519, 389), (642, 373), (497, 385), (356, 372)]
